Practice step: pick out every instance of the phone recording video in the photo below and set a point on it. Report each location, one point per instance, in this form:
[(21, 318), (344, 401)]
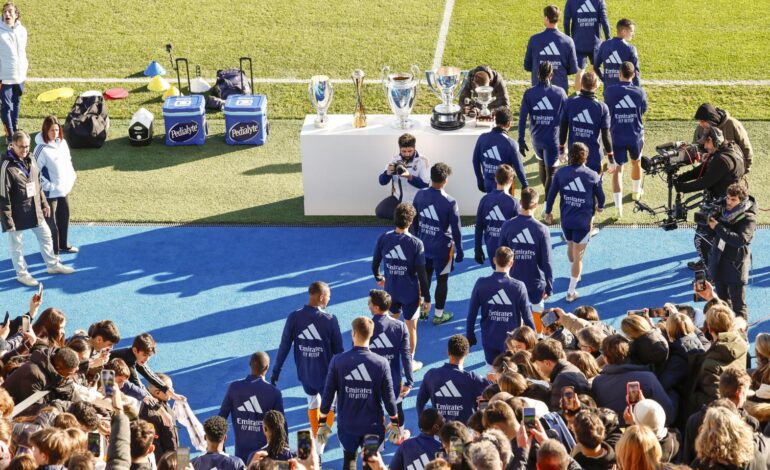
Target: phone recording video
[(371, 445), (549, 318), (25, 324), (456, 450), (95, 444), (529, 418), (182, 458), (108, 382), (633, 394), (303, 444)]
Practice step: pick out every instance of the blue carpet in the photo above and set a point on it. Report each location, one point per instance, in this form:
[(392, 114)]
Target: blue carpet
[(212, 296)]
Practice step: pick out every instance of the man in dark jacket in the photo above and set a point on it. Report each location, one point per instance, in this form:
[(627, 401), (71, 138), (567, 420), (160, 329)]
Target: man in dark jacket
[(161, 417), (548, 356), (730, 256), (709, 115), (23, 206), (483, 75), (722, 166), (46, 370), (609, 387)]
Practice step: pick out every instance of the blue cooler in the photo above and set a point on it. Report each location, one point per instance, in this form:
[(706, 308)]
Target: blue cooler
[(185, 118), (246, 120)]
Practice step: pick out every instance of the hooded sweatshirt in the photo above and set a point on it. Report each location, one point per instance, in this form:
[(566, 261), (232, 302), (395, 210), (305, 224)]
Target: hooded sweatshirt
[(57, 174), (13, 53), (728, 350), (731, 128)]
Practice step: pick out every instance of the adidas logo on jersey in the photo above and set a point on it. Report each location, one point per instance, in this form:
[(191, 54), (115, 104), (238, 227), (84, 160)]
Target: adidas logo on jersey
[(584, 117), (495, 214), (251, 405), (396, 253), (614, 58), (550, 49), (524, 237), (448, 390), (493, 154), (381, 342), (587, 8), (575, 185), (501, 298), (543, 105), (429, 213), (419, 463), (626, 103), (310, 333), (359, 373)]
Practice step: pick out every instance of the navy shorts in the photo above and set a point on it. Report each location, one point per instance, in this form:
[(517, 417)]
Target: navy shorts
[(583, 57), (408, 310), (443, 263), (548, 153), (352, 442), (578, 236), (623, 151)]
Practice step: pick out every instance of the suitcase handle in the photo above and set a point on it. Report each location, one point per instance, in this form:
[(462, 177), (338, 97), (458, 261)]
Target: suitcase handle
[(178, 78), (251, 70)]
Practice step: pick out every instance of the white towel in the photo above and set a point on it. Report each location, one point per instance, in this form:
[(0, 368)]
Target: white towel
[(185, 416)]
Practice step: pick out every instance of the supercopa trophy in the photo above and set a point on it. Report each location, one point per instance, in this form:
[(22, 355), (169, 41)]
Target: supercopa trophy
[(483, 96), (401, 91), (320, 91), (359, 115), (446, 83)]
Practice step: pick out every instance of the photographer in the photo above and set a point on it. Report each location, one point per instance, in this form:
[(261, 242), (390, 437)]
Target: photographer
[(407, 173), (483, 75), (722, 166), (730, 256)]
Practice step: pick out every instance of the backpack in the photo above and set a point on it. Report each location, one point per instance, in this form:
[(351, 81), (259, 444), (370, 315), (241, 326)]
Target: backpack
[(230, 82), (87, 123)]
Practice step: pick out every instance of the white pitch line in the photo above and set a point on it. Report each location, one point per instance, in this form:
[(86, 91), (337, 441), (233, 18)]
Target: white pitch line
[(302, 81), (438, 56)]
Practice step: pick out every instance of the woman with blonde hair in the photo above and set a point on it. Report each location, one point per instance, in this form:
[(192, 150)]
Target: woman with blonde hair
[(638, 449), (762, 351), (648, 346), (586, 363), (724, 442)]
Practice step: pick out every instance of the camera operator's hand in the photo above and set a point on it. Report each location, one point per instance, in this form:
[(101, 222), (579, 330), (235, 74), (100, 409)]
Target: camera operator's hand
[(548, 219), (479, 256), (523, 148), (391, 169), (405, 174), (713, 223)]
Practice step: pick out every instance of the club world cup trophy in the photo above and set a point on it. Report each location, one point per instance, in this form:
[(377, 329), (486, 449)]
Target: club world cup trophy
[(320, 91), (359, 115), (483, 96), (401, 91), (446, 83)]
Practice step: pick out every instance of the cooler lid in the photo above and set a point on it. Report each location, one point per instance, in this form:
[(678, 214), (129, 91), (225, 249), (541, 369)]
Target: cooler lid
[(184, 104), (245, 103)]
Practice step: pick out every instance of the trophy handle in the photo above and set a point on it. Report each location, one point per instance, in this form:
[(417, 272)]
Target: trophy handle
[(430, 79), (464, 75), (384, 75), (416, 72)]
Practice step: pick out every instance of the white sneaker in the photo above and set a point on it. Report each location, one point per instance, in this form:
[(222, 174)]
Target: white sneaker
[(27, 280), (416, 365), (594, 232), (619, 212), (636, 196), (59, 268), (572, 296)]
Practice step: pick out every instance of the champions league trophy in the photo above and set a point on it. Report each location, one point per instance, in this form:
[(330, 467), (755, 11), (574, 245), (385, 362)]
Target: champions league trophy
[(320, 92), (483, 96), (401, 91), (446, 83), (359, 115)]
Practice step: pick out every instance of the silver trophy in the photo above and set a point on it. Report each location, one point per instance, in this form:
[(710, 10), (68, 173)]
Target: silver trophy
[(483, 96), (359, 114), (446, 83), (320, 91), (401, 91)]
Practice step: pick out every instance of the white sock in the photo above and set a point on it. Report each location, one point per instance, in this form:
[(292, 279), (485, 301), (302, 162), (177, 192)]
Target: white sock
[(618, 197), (636, 185), (572, 285), (439, 312)]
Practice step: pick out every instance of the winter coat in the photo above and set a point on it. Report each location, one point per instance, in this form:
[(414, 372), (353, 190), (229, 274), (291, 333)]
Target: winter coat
[(729, 350), (678, 371), (119, 448), (731, 128), (730, 256), (500, 92), (669, 446), (55, 162), (35, 375), (13, 53), (605, 462), (650, 349), (17, 211), (166, 437), (716, 173), (565, 374), (609, 388)]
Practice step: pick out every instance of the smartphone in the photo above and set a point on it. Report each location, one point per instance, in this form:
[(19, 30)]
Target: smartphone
[(182, 458), (6, 319), (25, 324), (700, 285), (371, 445), (661, 312), (108, 382), (568, 392), (483, 404), (529, 417), (40, 290), (283, 465), (95, 444), (549, 318), (633, 394), (303, 444), (456, 450), (636, 312)]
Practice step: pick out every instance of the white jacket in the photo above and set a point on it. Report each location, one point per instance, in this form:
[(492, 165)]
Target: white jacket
[(13, 53), (55, 163)]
